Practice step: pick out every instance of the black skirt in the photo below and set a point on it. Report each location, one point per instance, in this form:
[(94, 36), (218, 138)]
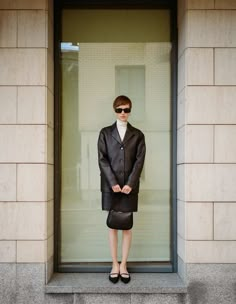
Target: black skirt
[(120, 201)]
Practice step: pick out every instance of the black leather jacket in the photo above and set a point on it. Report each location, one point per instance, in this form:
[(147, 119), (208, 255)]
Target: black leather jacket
[(121, 162)]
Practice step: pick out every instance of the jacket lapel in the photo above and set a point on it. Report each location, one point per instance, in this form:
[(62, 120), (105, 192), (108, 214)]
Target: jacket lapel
[(129, 133), (115, 133)]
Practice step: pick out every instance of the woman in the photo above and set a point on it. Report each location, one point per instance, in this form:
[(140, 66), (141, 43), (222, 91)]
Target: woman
[(121, 153)]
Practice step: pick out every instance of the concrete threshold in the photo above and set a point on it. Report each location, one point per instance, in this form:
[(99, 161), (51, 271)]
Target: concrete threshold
[(141, 283)]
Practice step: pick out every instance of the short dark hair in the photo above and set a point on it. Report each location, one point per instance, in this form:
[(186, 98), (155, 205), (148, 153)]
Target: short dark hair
[(122, 100)]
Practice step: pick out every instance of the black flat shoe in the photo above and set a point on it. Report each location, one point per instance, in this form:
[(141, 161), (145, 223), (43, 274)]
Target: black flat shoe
[(114, 277), (125, 277)]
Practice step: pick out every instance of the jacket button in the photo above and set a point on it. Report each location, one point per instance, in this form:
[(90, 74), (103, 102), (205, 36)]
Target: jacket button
[(122, 148)]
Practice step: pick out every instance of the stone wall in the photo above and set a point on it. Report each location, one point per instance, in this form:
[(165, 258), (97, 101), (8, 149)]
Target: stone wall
[(206, 131), (207, 149), (26, 154)]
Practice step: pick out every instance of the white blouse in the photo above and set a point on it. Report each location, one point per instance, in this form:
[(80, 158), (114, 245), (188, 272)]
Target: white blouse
[(122, 127)]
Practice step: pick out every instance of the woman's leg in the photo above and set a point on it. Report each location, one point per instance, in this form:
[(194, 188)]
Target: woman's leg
[(126, 242), (113, 241)]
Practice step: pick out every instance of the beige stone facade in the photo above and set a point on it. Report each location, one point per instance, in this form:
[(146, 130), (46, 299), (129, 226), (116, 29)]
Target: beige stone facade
[(26, 131), (206, 131)]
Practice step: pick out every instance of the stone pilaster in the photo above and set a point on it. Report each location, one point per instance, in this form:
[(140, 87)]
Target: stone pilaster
[(206, 128), (26, 157)]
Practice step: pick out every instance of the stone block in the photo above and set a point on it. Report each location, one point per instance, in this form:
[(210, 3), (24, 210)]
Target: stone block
[(102, 298), (30, 280), (7, 251), (22, 66), (211, 28), (182, 77), (200, 4), (22, 221), (211, 105), (8, 25), (8, 283), (225, 66), (181, 247), (211, 283), (24, 4), (199, 66), (32, 28), (210, 182), (210, 251), (157, 298), (23, 143), (181, 218), (32, 105), (199, 221), (181, 182), (32, 182), (50, 218), (198, 144), (31, 251), (8, 105), (50, 185), (28, 73), (182, 266), (50, 28), (50, 146), (49, 247), (8, 4), (91, 283), (50, 71), (8, 63), (181, 108), (37, 4), (49, 269), (224, 221), (59, 299), (7, 182), (225, 144), (181, 145), (50, 108), (225, 4)]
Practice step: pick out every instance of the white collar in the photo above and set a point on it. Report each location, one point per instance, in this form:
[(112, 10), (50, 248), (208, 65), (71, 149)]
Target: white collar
[(121, 123)]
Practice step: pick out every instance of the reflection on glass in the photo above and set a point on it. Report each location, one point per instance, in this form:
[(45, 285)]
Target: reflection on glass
[(92, 75)]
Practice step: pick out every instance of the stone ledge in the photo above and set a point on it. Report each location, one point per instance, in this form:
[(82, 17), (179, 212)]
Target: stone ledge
[(147, 283)]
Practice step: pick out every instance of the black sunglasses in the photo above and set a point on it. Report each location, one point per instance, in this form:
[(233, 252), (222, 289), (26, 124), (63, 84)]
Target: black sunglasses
[(119, 110)]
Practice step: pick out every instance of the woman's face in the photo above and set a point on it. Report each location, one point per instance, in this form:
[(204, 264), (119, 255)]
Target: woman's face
[(123, 112)]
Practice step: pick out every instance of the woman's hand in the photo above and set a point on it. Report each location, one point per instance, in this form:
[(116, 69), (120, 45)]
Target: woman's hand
[(126, 189), (116, 188)]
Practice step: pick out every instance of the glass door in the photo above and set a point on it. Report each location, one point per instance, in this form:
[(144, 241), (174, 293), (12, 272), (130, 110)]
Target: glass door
[(105, 53)]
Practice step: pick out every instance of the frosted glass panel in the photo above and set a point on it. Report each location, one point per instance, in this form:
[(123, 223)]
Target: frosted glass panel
[(93, 74)]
